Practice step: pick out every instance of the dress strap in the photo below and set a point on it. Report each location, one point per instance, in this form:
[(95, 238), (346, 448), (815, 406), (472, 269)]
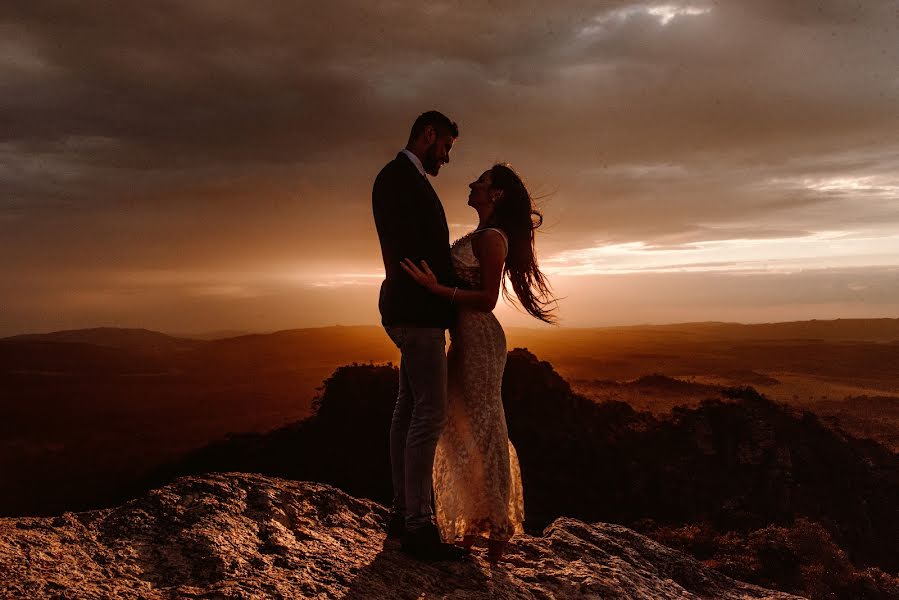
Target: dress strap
[(502, 233)]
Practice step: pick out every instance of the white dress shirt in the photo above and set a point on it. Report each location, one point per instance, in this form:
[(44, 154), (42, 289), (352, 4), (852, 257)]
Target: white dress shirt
[(415, 161)]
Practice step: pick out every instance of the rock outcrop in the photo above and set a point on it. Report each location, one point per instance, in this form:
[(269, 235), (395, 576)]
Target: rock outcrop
[(236, 535)]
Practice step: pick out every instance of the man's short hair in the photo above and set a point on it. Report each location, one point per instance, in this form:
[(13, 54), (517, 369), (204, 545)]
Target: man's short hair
[(439, 121)]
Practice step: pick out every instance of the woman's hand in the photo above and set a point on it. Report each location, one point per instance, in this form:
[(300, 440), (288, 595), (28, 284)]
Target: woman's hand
[(423, 276)]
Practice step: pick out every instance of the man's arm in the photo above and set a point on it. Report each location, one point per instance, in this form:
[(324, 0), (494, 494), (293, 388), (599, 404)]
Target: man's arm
[(491, 253), (394, 214)]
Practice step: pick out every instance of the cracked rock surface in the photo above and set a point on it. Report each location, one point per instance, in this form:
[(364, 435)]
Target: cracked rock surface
[(238, 535)]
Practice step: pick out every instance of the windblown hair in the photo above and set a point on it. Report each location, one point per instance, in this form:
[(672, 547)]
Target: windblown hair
[(518, 217), (439, 121)]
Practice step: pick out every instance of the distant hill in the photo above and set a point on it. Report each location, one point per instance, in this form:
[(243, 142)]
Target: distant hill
[(872, 330), (869, 330), (643, 344), (321, 346), (141, 350), (113, 337), (786, 360), (34, 357), (81, 422), (213, 335)]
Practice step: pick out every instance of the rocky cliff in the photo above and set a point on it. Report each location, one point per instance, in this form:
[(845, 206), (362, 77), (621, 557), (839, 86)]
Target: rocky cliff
[(236, 535)]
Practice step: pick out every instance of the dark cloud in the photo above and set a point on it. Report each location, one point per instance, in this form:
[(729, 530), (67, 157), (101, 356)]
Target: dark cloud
[(193, 82)]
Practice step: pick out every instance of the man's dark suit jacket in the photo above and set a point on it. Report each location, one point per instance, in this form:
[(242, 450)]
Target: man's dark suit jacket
[(411, 224)]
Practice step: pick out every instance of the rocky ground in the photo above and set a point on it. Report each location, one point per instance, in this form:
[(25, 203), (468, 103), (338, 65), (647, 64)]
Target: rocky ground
[(236, 535)]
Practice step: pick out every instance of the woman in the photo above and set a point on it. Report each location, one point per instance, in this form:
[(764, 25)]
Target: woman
[(477, 479)]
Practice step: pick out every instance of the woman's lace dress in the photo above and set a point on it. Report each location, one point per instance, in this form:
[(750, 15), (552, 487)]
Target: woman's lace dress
[(477, 480)]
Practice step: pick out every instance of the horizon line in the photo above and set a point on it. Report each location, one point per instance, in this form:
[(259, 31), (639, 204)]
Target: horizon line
[(236, 332)]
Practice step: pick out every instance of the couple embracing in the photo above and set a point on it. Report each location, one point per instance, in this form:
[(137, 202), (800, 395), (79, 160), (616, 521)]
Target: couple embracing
[(455, 473)]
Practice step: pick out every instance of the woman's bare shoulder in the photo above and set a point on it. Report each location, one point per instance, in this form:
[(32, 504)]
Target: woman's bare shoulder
[(490, 240)]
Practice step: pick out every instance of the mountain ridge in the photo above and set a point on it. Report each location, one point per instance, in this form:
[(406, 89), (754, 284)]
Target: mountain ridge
[(836, 328), (111, 337)]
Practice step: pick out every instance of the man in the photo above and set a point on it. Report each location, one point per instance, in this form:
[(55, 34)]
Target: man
[(411, 224)]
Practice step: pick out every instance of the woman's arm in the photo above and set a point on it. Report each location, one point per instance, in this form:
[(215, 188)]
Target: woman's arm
[(491, 253)]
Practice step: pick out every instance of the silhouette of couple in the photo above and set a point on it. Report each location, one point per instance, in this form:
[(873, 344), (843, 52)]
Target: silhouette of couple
[(455, 474)]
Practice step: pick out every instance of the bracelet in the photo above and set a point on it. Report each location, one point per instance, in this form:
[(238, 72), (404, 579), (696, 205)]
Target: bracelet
[(455, 289)]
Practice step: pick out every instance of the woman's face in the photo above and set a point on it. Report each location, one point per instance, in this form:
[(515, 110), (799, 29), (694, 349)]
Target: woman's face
[(481, 195)]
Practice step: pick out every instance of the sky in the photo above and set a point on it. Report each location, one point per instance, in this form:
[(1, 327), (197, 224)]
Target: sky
[(207, 165)]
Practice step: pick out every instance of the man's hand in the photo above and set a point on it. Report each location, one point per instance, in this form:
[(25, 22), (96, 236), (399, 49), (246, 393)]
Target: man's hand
[(423, 276)]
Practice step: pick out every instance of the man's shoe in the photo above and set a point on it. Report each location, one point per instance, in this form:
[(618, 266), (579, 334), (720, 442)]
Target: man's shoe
[(396, 526), (424, 544)]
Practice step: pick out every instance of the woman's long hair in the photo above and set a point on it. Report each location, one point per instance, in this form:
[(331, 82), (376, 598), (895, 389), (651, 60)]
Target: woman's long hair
[(516, 215)]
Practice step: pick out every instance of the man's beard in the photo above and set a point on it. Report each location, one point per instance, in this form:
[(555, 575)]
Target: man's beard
[(430, 163)]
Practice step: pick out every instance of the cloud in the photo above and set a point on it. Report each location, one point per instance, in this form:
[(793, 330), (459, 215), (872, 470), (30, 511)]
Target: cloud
[(217, 135), (826, 249)]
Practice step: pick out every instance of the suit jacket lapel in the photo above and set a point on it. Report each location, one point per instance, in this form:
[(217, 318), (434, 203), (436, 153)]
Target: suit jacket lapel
[(428, 189), (437, 201)]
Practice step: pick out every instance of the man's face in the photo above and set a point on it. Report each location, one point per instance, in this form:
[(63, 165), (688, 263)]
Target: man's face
[(437, 154)]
